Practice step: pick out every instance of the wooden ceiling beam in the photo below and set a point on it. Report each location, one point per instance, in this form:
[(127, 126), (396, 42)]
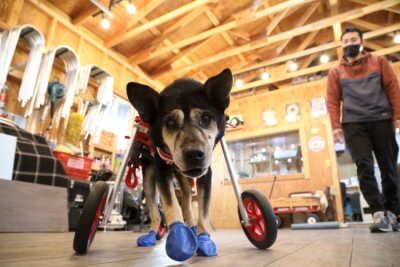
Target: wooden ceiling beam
[(14, 13), (323, 23), (308, 60), (241, 34), (307, 71), (167, 42), (153, 52), (139, 15), (310, 11), (277, 19), (168, 32), (318, 49), (369, 2), (228, 39), (365, 24), (373, 45), (115, 40), (337, 27), (308, 40), (84, 14), (390, 18), (178, 24), (337, 35), (166, 66)]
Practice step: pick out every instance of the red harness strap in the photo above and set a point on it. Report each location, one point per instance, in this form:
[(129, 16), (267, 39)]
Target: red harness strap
[(142, 136)]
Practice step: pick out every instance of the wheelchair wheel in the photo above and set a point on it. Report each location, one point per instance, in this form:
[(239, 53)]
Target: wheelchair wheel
[(91, 216), (262, 230), (279, 221)]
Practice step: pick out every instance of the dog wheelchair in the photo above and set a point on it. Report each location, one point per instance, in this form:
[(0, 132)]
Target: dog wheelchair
[(256, 215)]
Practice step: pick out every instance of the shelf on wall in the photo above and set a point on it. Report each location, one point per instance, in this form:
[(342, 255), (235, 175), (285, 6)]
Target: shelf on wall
[(102, 148)]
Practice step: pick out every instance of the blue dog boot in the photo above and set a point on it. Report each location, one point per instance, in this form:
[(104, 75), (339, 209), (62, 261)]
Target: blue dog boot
[(206, 247), (194, 229), (181, 242), (147, 240)]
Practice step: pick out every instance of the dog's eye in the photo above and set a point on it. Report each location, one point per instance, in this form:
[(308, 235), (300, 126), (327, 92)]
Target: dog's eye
[(205, 120), (171, 124)]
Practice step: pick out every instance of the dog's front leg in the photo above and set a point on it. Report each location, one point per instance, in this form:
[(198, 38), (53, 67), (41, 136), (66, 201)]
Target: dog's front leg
[(186, 194), (181, 241), (206, 246), (203, 196), (149, 188), (171, 206)]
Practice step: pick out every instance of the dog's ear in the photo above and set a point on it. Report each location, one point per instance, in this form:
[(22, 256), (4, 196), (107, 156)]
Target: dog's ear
[(219, 87), (144, 99)]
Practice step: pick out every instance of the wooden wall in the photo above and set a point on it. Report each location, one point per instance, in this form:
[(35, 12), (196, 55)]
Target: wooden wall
[(319, 167), (322, 166)]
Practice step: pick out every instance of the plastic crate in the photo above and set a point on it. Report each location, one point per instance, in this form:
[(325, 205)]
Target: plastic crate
[(76, 167)]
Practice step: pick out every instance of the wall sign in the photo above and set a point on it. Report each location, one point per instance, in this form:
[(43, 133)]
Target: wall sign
[(316, 143), (292, 112), (269, 117), (318, 107)]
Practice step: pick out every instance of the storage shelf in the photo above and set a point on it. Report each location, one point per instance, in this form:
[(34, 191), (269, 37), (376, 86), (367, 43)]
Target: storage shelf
[(104, 149)]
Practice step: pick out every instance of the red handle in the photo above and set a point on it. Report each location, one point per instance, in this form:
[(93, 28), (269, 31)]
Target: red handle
[(131, 183)]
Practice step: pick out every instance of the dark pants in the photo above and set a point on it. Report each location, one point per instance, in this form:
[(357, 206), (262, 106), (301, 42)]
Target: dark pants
[(379, 137)]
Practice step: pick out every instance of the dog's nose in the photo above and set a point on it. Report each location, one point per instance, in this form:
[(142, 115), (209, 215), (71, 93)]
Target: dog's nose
[(193, 155)]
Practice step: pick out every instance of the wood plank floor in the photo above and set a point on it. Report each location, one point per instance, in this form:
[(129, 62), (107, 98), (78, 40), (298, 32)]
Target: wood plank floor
[(353, 246)]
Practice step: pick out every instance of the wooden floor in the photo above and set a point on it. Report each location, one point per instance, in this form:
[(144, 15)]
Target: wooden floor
[(345, 247)]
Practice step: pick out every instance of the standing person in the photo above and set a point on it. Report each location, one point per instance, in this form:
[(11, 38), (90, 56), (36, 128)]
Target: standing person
[(369, 92)]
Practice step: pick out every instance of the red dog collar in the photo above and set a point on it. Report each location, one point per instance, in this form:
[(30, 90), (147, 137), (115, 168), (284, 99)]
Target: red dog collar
[(165, 156)]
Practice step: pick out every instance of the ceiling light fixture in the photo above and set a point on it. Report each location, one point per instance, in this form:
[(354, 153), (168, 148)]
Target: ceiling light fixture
[(239, 83), (130, 8), (265, 76), (324, 58), (396, 38), (105, 23), (293, 66)]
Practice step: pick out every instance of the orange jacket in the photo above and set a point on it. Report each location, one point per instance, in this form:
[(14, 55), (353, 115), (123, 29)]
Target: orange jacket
[(367, 89)]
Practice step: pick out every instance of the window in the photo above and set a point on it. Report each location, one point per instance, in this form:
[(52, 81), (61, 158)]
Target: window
[(118, 121), (267, 156)]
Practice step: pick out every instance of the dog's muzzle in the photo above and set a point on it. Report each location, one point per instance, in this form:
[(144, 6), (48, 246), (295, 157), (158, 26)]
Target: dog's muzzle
[(195, 163)]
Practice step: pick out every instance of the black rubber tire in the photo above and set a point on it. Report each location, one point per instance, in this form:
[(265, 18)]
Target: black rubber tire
[(279, 221), (82, 234), (268, 216), (312, 216)]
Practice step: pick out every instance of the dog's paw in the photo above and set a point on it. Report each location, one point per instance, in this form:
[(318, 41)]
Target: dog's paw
[(181, 242), (206, 247), (147, 240)]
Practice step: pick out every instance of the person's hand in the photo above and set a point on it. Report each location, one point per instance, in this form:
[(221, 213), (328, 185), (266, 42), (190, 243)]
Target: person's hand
[(337, 135)]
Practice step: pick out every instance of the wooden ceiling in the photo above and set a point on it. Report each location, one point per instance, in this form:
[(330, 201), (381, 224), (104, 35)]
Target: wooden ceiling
[(169, 39)]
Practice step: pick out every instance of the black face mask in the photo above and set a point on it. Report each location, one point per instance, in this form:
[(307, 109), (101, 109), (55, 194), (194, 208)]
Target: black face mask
[(351, 50)]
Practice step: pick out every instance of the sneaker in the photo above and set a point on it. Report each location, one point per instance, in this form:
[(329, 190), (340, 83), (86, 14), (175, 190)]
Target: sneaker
[(393, 221), (381, 223)]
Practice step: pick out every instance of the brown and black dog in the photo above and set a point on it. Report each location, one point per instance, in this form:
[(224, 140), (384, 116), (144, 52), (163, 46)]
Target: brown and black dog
[(186, 120)]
